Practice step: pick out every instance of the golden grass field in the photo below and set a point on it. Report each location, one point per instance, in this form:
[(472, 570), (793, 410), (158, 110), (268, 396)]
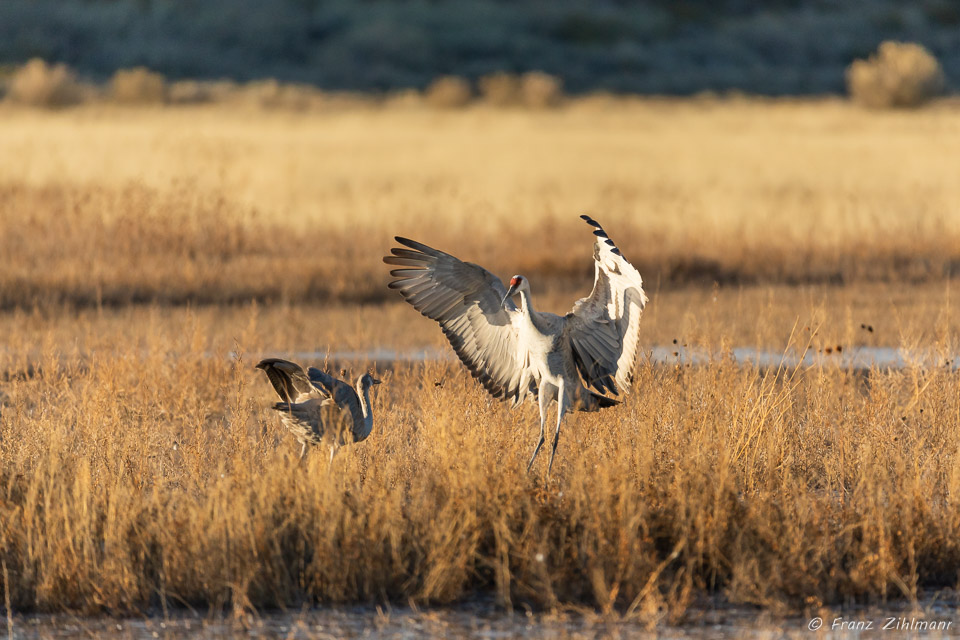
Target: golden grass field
[(207, 204), (151, 256)]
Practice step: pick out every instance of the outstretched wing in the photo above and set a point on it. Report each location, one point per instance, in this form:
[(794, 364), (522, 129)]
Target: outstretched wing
[(603, 329), (289, 380), (466, 300), (341, 392)]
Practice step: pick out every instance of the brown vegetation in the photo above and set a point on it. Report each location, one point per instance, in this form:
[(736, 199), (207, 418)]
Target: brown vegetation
[(38, 84), (448, 92), (900, 74), (500, 89), (138, 86), (149, 472), (140, 465), (539, 90), (206, 204)]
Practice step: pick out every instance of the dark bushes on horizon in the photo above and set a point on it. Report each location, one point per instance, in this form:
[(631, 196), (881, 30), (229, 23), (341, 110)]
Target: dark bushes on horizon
[(648, 47)]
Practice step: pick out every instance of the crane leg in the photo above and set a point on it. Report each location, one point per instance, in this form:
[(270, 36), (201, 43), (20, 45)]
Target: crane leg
[(543, 418), (562, 406)]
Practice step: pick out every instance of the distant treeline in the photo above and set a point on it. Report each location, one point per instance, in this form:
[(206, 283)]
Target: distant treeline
[(653, 46)]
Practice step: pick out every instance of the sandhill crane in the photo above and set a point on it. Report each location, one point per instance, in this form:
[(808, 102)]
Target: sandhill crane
[(317, 408), (519, 352)]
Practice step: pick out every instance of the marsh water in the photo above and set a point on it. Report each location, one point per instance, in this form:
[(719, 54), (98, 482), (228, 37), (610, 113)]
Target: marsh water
[(935, 617), (854, 358)]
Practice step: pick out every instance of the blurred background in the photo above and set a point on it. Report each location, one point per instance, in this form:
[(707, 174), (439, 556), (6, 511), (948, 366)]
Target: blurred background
[(780, 47), (228, 151)]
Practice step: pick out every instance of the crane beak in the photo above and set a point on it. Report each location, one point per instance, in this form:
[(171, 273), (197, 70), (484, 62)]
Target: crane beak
[(510, 293), (375, 381)]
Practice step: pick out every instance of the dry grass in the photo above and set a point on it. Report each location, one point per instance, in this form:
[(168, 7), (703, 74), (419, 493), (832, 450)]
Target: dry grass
[(147, 471), (272, 206), (140, 467)]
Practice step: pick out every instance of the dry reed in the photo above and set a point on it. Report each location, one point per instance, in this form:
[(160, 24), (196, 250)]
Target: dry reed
[(149, 473)]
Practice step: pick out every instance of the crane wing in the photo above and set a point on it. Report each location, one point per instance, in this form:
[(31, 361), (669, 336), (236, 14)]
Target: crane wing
[(341, 392), (466, 300), (603, 329), (289, 380), (316, 418)]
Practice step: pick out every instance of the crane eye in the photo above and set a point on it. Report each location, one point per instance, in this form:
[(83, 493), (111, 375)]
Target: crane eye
[(515, 280)]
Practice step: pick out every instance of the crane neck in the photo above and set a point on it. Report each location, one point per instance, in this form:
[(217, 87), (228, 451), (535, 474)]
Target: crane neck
[(526, 303), (363, 427), (529, 313)]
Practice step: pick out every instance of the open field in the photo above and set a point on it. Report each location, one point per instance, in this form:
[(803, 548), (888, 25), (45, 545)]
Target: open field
[(150, 256), (201, 204)]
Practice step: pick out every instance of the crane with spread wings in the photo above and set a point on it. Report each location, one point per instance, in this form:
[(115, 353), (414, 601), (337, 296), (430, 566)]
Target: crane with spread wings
[(518, 352)]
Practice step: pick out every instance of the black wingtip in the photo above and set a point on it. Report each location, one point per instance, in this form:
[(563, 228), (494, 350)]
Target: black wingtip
[(407, 242), (267, 363), (590, 221)]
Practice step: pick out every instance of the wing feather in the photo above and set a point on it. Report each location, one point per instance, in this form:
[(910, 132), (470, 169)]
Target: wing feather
[(289, 380), (604, 327), (465, 299), (342, 393)]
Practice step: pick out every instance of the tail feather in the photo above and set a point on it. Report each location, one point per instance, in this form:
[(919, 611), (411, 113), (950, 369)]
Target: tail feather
[(595, 402)]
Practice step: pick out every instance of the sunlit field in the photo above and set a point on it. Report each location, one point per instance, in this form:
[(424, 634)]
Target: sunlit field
[(209, 204), (148, 472), (150, 257)]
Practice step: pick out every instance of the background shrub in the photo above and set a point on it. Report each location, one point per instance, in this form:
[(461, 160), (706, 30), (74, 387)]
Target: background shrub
[(900, 74), (188, 92), (138, 85), (448, 92), (539, 90), (39, 84), (782, 47), (500, 89)]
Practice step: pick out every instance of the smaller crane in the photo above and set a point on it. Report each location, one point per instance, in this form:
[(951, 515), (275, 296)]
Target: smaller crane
[(318, 408)]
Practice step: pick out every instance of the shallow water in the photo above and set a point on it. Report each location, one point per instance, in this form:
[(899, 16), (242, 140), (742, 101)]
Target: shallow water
[(852, 358), (481, 620)]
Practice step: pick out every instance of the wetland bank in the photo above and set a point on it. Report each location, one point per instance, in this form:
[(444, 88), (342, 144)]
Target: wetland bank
[(140, 474)]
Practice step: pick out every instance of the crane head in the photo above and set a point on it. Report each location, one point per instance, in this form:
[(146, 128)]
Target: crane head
[(516, 282), (367, 380)]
